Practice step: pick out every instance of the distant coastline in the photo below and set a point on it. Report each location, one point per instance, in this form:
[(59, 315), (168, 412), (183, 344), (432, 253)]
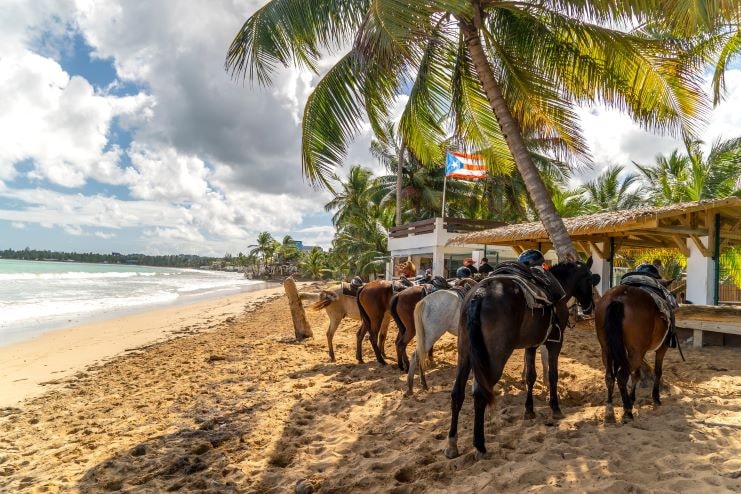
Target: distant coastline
[(170, 261)]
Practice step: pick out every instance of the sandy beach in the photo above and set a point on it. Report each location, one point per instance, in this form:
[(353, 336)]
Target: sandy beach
[(227, 401)]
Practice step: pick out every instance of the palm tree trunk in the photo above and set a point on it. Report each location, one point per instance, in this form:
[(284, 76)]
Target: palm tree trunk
[(399, 168), (535, 187)]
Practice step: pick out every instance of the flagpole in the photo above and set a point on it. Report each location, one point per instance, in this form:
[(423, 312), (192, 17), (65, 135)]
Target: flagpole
[(445, 186)]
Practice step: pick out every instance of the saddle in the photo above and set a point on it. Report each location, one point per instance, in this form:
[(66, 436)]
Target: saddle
[(663, 298), (437, 283), (540, 288), (352, 288)]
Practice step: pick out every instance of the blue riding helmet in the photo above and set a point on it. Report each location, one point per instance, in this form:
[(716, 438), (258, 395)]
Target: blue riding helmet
[(463, 272), (649, 269), (531, 257)]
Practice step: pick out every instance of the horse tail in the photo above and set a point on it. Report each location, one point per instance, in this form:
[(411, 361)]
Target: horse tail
[(477, 347), (395, 314), (363, 314), (420, 334), (325, 298), (614, 333)]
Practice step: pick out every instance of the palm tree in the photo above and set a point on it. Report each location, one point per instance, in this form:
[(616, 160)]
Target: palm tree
[(693, 176), (265, 246), (352, 199), (500, 70), (313, 263), (609, 192)]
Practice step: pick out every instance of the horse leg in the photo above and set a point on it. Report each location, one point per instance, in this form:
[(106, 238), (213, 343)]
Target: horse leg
[(376, 349), (359, 347), (410, 375), (610, 384), (479, 413), (554, 349), (622, 380), (634, 378), (398, 346), (330, 335), (530, 376), (658, 370), (422, 377), (456, 402), (406, 338), (383, 332)]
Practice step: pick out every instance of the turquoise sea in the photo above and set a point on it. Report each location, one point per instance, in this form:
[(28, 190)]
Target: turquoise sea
[(38, 296)]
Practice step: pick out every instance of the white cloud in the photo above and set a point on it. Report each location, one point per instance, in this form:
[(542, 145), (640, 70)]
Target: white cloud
[(104, 235), (18, 224)]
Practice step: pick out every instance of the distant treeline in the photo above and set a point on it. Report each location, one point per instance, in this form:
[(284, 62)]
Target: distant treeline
[(175, 261)]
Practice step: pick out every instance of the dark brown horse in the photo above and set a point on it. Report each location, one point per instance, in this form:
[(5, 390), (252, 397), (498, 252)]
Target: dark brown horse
[(628, 325), (402, 310), (374, 299), (497, 320)]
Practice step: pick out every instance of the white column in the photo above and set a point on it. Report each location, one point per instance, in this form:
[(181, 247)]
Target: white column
[(390, 270), (477, 255), (700, 275), (438, 261), (700, 281), (601, 267)]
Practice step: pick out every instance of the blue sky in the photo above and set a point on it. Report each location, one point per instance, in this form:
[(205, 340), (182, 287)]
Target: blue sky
[(121, 132)]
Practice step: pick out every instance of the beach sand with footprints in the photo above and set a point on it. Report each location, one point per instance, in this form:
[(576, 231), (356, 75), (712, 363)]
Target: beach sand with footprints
[(238, 406)]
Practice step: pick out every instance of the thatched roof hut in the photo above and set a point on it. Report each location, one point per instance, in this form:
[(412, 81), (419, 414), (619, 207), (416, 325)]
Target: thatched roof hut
[(664, 226)]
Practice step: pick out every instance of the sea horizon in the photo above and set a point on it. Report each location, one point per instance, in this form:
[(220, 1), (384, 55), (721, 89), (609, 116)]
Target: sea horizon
[(41, 296)]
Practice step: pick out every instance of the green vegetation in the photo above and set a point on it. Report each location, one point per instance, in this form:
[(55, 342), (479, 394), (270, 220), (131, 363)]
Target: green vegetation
[(506, 76), (174, 261)]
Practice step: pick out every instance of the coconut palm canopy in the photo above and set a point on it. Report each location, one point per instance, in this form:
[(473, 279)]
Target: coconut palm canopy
[(488, 73), (664, 226)]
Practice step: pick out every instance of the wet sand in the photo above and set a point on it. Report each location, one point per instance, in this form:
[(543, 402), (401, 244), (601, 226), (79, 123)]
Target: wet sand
[(242, 407)]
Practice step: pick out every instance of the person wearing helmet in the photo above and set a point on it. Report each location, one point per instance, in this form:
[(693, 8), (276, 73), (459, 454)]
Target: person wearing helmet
[(531, 257), (463, 272)]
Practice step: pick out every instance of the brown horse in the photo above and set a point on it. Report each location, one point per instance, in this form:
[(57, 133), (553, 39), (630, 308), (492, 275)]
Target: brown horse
[(374, 299), (402, 310), (497, 319), (628, 325)]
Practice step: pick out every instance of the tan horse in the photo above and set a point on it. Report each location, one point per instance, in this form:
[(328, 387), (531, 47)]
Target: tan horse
[(337, 306), (628, 325)]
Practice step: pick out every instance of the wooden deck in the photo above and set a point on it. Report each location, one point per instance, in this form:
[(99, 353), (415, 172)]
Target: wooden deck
[(699, 318)]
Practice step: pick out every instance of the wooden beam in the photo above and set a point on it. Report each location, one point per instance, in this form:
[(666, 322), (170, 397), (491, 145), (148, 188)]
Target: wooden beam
[(600, 253), (710, 224), (705, 252), (518, 249), (680, 230), (682, 245), (584, 248)]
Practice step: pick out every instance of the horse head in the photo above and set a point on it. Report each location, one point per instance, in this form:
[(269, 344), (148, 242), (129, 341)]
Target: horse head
[(577, 280)]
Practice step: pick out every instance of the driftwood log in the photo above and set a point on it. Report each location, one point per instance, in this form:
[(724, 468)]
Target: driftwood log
[(301, 325)]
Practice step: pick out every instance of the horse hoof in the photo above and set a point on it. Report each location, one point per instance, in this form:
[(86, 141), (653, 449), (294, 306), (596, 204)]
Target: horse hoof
[(627, 417), (451, 452), (409, 392), (529, 415), (478, 455), (425, 388), (657, 402), (557, 414)]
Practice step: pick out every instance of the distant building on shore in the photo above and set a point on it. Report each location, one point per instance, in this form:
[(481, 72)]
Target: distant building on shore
[(305, 248)]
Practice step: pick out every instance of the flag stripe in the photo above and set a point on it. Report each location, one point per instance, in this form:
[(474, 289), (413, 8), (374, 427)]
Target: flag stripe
[(465, 166)]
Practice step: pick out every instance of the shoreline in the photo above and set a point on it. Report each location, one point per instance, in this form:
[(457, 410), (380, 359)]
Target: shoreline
[(29, 367)]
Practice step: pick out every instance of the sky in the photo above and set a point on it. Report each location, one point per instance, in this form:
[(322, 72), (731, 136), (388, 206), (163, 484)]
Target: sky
[(121, 131)]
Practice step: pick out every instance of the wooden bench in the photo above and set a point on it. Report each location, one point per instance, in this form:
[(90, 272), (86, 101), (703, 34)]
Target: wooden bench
[(717, 318)]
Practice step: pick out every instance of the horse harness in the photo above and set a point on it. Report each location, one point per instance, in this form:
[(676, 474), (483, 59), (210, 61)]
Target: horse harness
[(351, 289), (664, 300), (541, 291)]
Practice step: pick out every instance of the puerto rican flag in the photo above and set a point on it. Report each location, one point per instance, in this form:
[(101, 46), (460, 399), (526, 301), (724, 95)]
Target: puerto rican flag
[(465, 166)]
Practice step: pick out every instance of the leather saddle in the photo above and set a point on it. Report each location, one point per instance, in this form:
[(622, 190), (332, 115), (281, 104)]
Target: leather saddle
[(535, 276), (437, 283), (352, 288)]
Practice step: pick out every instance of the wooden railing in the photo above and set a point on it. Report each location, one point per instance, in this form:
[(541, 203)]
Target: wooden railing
[(451, 225)]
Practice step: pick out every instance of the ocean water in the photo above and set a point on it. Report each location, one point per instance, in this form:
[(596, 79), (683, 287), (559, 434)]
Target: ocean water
[(38, 296)]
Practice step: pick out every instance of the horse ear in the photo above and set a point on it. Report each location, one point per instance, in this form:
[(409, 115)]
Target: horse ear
[(589, 262), (595, 279)]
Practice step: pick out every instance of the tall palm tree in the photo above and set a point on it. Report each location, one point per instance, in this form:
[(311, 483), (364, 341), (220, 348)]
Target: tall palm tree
[(499, 70), (610, 192), (694, 176), (352, 199), (265, 247)]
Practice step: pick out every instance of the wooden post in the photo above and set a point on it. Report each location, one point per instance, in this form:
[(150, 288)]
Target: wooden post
[(300, 323)]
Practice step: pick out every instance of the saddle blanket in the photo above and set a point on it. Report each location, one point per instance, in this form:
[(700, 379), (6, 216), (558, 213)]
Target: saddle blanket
[(663, 298)]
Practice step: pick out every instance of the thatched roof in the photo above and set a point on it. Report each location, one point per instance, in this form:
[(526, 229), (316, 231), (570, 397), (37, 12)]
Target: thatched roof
[(684, 219)]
